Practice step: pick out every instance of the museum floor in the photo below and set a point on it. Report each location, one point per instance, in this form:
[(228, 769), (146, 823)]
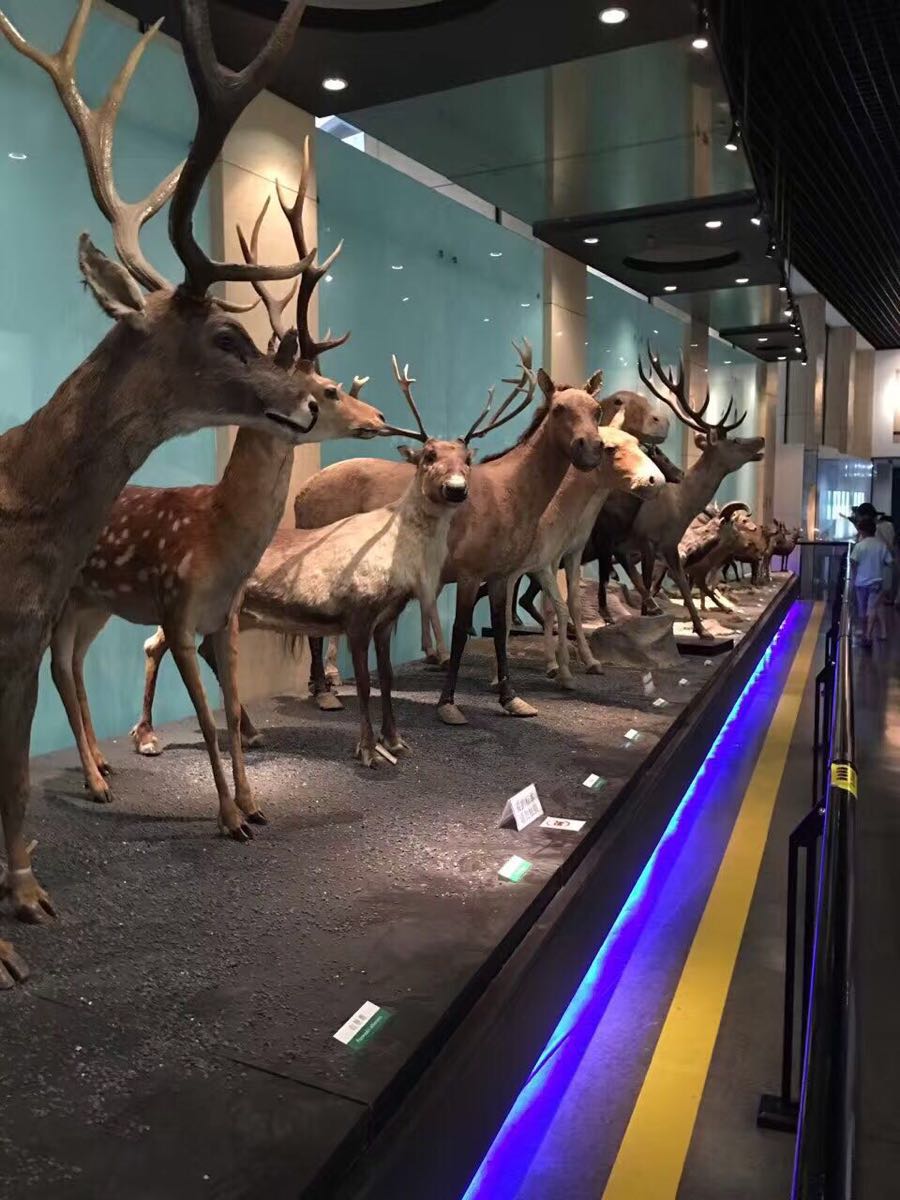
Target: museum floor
[(177, 1038)]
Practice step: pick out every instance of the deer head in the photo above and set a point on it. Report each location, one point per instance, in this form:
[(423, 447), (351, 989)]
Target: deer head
[(572, 416), (178, 343), (442, 467), (634, 413), (624, 466), (710, 437)]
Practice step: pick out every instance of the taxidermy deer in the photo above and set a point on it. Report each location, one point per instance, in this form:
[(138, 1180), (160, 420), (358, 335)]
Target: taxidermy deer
[(786, 542), (181, 556), (356, 575), (661, 522), (708, 547), (173, 363)]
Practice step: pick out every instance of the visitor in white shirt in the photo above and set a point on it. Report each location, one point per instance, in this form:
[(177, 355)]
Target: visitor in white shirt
[(868, 560)]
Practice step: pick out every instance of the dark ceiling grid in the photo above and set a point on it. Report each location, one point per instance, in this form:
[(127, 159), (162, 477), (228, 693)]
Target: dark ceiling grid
[(815, 87)]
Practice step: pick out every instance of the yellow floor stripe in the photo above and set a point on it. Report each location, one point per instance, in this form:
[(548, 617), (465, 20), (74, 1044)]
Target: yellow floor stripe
[(653, 1151)]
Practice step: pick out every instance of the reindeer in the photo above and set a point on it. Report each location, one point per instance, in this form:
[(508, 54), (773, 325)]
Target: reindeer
[(660, 523), (356, 575), (174, 362), (181, 556)]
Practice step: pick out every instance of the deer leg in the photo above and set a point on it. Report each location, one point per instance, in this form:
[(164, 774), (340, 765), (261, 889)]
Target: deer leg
[(513, 705), (572, 565), (515, 618), (359, 652), (390, 738), (554, 601), (250, 735), (442, 652), (677, 570), (62, 652), (231, 818), (225, 648), (30, 902), (332, 670), (90, 625), (526, 603), (143, 735), (466, 595), (648, 604), (325, 697)]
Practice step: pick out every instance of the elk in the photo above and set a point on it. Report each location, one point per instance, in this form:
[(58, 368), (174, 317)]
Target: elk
[(660, 523), (173, 362), (356, 575), (181, 556)]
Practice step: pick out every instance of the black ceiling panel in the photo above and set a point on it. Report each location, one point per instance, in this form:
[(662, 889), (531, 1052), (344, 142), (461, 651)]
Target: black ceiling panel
[(816, 86)]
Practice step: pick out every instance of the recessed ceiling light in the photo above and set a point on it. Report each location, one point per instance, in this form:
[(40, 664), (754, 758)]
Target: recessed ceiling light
[(591, 241), (788, 312), (670, 287), (798, 350), (762, 339), (329, 278), (526, 304), (733, 137), (334, 83), (727, 362), (485, 319), (589, 297), (613, 16), (782, 358), (496, 254), (396, 266), (700, 42), (756, 220), (16, 156), (713, 224), (656, 331), (405, 298), (743, 279), (694, 345), (782, 287)]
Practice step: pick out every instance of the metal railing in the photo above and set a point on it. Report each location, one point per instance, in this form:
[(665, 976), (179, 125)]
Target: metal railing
[(824, 1115)]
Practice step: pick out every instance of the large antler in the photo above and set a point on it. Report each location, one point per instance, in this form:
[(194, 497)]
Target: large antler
[(274, 305), (694, 418), (405, 382), (96, 130), (525, 354), (222, 95), (310, 349)]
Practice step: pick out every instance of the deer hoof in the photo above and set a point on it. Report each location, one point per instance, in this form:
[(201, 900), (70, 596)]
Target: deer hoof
[(594, 668), (432, 659), (517, 707), (451, 715), (397, 746), (103, 767), (240, 833), (252, 740), (367, 756), (566, 680), (328, 702), (257, 817), (101, 793), (552, 670), (145, 742), (31, 904), (13, 969)]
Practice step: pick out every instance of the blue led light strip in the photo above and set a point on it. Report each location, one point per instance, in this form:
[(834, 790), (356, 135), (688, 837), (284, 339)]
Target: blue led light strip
[(506, 1163)]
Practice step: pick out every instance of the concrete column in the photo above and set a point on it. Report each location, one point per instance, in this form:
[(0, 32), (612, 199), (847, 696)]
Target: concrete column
[(266, 144), (863, 401), (565, 318), (805, 385), (841, 345), (768, 378), (695, 354), (567, 131)]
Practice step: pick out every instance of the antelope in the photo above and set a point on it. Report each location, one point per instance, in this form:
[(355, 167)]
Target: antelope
[(660, 523), (181, 556), (173, 362), (356, 575)]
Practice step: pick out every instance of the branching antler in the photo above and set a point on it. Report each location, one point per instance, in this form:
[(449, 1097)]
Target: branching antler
[(694, 418), (274, 306), (96, 129), (525, 354), (310, 349), (222, 95), (405, 382), (359, 382)]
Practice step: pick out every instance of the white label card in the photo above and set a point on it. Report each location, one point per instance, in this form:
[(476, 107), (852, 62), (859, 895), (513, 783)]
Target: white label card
[(682, 683), (565, 823), (357, 1022), (632, 735), (522, 808), (660, 703)]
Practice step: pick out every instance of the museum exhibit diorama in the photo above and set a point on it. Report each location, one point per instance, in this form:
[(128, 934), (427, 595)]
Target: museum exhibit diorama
[(309, 852)]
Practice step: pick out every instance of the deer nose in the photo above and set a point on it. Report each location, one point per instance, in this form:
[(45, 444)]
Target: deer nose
[(313, 408), (455, 489), (380, 416)]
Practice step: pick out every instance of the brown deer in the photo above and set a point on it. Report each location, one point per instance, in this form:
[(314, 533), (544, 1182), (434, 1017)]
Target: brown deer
[(660, 523), (181, 556), (173, 362), (356, 576), (710, 545), (786, 542)]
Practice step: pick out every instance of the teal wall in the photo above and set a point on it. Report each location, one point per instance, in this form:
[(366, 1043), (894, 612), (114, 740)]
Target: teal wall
[(451, 312), (47, 322)]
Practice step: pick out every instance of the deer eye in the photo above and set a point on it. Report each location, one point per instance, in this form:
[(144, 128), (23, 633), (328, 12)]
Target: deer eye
[(331, 393), (235, 342)]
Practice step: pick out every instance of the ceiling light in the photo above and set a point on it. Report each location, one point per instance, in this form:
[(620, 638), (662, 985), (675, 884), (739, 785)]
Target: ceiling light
[(329, 278), (334, 83), (700, 42), (798, 349), (772, 248), (782, 358), (496, 254), (485, 319), (756, 220), (762, 339), (613, 16), (788, 312), (589, 297), (670, 287), (713, 224), (727, 362), (694, 345), (591, 241), (16, 156), (743, 279), (405, 298), (656, 331), (526, 304), (782, 287), (733, 137), (396, 266)]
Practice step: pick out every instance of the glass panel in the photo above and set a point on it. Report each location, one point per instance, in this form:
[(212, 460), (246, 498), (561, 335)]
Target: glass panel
[(467, 287), (47, 323)]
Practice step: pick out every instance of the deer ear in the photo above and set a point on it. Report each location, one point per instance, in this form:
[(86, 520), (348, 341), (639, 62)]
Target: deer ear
[(545, 383), (701, 441), (594, 384), (411, 455), (287, 350), (114, 289)]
